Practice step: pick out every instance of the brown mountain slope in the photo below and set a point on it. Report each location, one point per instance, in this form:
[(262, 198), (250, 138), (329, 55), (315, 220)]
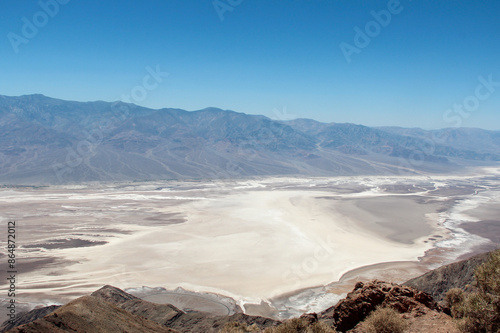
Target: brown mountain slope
[(91, 315), (170, 316), (100, 308), (456, 275), (28, 317), (160, 313)]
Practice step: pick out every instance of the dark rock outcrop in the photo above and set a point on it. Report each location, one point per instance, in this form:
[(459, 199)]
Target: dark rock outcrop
[(311, 318), (365, 298)]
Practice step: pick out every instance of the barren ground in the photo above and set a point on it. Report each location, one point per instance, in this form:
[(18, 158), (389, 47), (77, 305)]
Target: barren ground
[(274, 245)]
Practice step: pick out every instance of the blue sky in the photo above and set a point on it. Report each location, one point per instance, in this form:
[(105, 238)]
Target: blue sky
[(426, 67)]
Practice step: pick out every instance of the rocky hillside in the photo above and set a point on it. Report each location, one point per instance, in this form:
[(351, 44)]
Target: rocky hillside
[(28, 317), (92, 315), (128, 312), (417, 307), (456, 275), (172, 317)]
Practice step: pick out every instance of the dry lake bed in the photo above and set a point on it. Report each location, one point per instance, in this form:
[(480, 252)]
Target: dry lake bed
[(269, 246)]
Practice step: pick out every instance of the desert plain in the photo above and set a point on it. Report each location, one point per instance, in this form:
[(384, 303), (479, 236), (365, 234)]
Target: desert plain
[(269, 246)]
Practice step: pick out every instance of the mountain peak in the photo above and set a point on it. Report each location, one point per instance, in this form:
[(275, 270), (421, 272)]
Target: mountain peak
[(113, 294)]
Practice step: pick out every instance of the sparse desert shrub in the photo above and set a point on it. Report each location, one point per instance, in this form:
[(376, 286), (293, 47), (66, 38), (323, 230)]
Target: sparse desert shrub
[(385, 320), (476, 313), (453, 298), (488, 274), (479, 312), (320, 328), (298, 325), (236, 327)]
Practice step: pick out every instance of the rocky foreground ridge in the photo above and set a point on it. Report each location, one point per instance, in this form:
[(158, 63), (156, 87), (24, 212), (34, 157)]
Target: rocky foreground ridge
[(110, 309)]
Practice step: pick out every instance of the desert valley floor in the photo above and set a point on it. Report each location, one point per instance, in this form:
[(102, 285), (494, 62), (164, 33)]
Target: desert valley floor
[(268, 246)]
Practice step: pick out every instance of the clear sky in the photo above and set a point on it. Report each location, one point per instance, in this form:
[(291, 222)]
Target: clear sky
[(427, 65)]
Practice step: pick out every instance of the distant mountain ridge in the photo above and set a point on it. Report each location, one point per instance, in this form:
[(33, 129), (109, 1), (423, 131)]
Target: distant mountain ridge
[(50, 141)]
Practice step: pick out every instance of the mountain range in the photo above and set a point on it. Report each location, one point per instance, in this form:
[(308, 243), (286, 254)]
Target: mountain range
[(51, 141)]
